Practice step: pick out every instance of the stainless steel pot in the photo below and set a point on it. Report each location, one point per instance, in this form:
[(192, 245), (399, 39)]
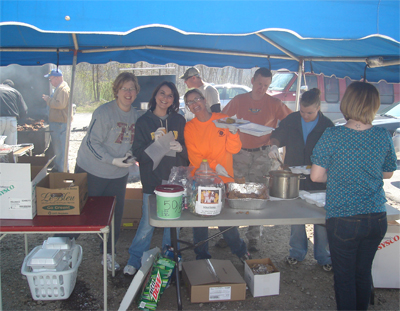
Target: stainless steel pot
[(284, 184)]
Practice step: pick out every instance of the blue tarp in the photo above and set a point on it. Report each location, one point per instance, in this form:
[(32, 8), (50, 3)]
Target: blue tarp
[(333, 37)]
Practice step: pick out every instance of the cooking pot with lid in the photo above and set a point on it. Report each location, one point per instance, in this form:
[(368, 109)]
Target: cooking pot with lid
[(284, 184)]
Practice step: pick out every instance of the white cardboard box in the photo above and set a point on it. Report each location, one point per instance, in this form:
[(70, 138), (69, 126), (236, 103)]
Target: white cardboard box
[(18, 186), (262, 284), (386, 265)]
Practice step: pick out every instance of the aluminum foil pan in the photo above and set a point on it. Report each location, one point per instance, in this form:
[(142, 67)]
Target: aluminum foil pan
[(251, 189)]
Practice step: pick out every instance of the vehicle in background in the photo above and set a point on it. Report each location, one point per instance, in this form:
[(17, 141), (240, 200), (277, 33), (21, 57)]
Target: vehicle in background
[(228, 91), (396, 142), (284, 86)]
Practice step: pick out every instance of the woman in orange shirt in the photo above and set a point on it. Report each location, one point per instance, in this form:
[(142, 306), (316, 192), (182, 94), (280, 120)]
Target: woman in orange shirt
[(205, 141)]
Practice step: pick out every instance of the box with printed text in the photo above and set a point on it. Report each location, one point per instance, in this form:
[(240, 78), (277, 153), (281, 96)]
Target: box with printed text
[(132, 208), (18, 186), (62, 194)]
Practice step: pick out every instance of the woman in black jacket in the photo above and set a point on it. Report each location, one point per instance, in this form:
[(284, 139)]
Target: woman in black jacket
[(299, 132)]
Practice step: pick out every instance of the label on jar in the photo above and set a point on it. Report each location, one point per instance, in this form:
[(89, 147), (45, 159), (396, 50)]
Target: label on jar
[(208, 201)]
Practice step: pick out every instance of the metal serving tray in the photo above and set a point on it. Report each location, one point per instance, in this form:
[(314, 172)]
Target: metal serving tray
[(247, 203)]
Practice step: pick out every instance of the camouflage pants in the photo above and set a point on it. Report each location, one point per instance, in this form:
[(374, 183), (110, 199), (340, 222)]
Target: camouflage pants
[(253, 166)]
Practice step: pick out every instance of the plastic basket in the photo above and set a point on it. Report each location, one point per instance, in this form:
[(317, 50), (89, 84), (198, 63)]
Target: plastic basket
[(53, 285)]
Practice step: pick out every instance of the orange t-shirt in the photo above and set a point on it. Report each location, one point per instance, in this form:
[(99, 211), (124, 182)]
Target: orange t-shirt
[(267, 111), (204, 140)]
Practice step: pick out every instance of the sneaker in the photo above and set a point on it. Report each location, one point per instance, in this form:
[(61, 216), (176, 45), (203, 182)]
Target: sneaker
[(291, 261), (109, 263), (327, 267), (252, 246), (129, 270), (221, 243), (245, 257)]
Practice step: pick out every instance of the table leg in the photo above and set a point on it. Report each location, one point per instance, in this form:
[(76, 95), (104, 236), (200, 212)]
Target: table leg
[(113, 246), (26, 244), (105, 237), (174, 242)]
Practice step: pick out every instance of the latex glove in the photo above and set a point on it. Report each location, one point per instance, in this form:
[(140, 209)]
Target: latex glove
[(160, 132), (120, 162), (221, 171), (274, 152), (233, 129), (175, 145)]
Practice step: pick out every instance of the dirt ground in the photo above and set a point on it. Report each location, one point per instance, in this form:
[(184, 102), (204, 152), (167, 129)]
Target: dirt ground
[(305, 286)]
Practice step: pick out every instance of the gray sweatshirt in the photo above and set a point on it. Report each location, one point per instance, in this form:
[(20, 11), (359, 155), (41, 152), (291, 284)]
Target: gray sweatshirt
[(110, 135)]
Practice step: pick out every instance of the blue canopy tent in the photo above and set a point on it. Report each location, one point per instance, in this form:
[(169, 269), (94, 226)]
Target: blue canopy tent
[(338, 38)]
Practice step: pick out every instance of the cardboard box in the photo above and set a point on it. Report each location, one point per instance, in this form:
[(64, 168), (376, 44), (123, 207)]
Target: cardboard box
[(211, 280), (262, 284), (386, 265), (132, 208), (18, 186), (62, 194)]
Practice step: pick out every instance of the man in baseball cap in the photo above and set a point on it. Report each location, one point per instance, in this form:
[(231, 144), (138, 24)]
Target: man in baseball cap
[(193, 80), (58, 117)]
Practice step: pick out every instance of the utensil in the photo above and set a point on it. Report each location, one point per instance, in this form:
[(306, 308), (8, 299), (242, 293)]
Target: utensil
[(283, 166)]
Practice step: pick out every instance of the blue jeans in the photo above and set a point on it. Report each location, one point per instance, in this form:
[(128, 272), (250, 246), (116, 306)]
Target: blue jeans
[(299, 244), (144, 233), (353, 242), (232, 237), (8, 127), (58, 133)]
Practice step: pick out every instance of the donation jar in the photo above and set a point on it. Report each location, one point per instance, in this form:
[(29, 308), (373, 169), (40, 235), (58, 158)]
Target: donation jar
[(208, 192), (169, 201)]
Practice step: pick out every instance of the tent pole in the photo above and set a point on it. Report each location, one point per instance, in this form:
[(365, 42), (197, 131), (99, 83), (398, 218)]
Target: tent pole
[(300, 74), (69, 120)]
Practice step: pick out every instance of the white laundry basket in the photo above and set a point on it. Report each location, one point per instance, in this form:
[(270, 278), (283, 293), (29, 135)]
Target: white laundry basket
[(53, 285)]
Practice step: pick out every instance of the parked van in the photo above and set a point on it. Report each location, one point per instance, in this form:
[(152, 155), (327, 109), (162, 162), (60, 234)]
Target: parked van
[(284, 86)]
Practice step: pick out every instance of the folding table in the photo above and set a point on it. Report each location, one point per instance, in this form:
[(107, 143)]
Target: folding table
[(96, 217), (281, 212)]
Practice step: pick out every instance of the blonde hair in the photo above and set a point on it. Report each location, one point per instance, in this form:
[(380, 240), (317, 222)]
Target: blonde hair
[(360, 102)]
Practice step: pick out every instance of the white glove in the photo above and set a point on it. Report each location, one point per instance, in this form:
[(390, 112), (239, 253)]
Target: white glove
[(233, 129), (175, 145), (274, 152), (221, 171), (120, 162), (160, 132)]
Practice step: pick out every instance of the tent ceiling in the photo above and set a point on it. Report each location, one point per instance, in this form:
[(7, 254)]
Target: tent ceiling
[(333, 37)]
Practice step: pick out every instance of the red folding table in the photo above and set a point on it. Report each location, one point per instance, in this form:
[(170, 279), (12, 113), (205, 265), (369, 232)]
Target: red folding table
[(97, 217)]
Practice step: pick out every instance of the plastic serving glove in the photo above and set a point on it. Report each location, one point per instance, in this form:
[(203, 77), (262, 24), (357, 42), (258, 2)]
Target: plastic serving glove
[(175, 145), (274, 152), (160, 132), (233, 129), (120, 162), (221, 171)]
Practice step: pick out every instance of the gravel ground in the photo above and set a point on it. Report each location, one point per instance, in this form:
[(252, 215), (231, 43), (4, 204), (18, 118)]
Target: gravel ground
[(305, 286)]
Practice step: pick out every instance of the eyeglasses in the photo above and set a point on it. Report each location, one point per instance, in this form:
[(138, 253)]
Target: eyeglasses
[(131, 89), (195, 100)]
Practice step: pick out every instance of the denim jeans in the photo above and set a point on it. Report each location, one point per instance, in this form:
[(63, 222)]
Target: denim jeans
[(353, 242), (299, 244), (8, 127), (98, 186), (141, 241), (58, 133), (232, 237)]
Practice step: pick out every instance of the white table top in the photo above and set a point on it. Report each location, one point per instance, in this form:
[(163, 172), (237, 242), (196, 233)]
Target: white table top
[(285, 212)]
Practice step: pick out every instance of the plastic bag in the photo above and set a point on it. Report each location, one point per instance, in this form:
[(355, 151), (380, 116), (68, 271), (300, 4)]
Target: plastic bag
[(182, 176)]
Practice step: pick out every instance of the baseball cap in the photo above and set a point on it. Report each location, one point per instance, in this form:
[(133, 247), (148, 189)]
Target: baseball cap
[(54, 73), (192, 71)]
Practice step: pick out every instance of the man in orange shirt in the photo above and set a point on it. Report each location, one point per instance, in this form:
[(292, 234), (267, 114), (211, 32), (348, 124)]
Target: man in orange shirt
[(252, 162), (205, 141)]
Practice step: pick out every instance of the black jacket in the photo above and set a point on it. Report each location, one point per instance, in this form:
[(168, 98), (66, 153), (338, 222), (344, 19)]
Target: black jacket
[(290, 134), (145, 127)]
